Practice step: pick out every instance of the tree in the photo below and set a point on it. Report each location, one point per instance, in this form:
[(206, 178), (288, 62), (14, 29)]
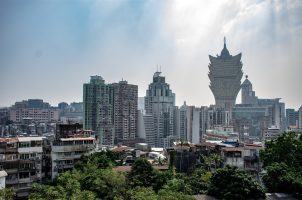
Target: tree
[(141, 193), (282, 161), (286, 148), (281, 178), (178, 185), (106, 183), (40, 192), (213, 159), (216, 158), (142, 174), (232, 183), (66, 187), (7, 193), (165, 194), (199, 181), (99, 160), (161, 178)]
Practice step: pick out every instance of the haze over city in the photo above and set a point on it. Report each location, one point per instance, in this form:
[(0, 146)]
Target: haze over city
[(48, 49)]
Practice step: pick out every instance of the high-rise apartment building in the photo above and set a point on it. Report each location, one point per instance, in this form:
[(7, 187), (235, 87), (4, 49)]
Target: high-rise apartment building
[(98, 100), (125, 111), (225, 76), (160, 103)]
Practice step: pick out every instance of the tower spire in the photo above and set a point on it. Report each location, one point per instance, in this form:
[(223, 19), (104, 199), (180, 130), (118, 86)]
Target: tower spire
[(225, 52)]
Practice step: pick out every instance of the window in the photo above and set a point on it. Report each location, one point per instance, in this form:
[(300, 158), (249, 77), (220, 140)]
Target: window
[(24, 156), (36, 143), (24, 175), (24, 144)]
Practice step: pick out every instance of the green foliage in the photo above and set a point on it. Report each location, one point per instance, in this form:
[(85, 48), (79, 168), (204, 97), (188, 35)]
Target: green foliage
[(178, 185), (106, 183), (198, 181), (7, 193), (92, 179), (286, 148), (165, 194), (46, 192), (282, 159), (161, 178), (232, 183), (281, 178), (142, 174), (99, 160), (212, 160), (141, 193)]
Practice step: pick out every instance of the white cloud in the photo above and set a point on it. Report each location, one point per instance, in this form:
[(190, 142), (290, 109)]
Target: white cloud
[(129, 38)]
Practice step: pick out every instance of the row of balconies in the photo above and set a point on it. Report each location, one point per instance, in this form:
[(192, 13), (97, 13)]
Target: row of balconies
[(16, 180), (83, 147)]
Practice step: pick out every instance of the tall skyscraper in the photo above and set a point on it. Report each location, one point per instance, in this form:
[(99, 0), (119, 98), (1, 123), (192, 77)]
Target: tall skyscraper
[(247, 93), (98, 99), (160, 103), (125, 111), (225, 76)]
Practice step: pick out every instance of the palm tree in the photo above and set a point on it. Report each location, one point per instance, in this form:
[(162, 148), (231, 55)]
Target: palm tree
[(216, 158), (208, 160)]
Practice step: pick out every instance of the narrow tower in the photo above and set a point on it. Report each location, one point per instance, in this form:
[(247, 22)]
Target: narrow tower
[(225, 77)]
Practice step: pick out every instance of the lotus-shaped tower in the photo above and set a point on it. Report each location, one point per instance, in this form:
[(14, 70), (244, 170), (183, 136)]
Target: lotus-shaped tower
[(225, 77)]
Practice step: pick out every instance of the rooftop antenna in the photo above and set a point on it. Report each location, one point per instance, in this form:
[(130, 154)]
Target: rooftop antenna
[(224, 41), (160, 68), (157, 68)]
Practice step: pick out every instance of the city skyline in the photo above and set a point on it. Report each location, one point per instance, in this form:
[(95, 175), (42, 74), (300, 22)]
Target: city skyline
[(58, 45)]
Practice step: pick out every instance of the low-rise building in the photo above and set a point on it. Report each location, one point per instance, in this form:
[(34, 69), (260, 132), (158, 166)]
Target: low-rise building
[(66, 151), (245, 158), (21, 158), (271, 133)]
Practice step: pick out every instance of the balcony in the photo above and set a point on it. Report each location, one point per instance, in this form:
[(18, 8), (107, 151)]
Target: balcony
[(24, 180), (11, 170), (11, 181), (8, 150), (251, 168), (71, 148), (253, 158)]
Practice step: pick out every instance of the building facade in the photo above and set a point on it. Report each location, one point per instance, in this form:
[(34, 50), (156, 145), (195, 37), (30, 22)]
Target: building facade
[(247, 94), (292, 118), (300, 117), (98, 101), (188, 123), (66, 151), (21, 158), (251, 121), (225, 77), (160, 104), (276, 112), (125, 111)]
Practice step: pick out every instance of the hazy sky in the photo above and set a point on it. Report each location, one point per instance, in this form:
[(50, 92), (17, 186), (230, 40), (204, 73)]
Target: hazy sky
[(48, 49)]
